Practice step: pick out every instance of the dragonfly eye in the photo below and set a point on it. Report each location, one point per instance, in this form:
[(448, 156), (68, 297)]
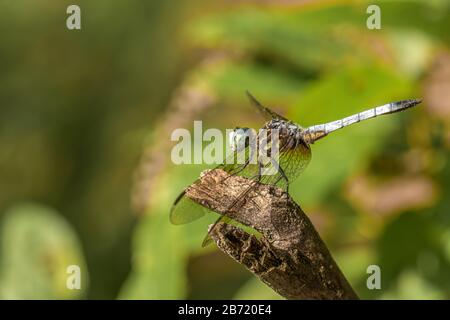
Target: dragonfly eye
[(239, 139)]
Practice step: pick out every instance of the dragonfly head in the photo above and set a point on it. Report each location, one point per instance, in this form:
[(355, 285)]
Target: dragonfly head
[(239, 138)]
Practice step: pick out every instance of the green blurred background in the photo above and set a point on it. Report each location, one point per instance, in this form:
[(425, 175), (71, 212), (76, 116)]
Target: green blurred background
[(86, 117)]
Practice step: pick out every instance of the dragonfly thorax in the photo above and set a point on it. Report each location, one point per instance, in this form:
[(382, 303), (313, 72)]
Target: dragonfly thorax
[(289, 135), (286, 129)]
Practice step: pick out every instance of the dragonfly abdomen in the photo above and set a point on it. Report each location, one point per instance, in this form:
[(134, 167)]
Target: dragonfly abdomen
[(316, 132)]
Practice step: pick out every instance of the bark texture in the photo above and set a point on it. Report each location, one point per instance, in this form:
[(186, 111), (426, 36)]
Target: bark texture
[(289, 256)]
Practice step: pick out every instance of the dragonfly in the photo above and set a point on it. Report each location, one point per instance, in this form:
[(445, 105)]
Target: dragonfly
[(293, 149)]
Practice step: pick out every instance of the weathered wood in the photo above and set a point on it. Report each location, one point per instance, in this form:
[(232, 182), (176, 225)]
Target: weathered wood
[(290, 257)]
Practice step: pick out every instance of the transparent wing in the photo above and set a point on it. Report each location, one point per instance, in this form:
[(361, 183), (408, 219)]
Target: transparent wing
[(266, 112), (185, 210)]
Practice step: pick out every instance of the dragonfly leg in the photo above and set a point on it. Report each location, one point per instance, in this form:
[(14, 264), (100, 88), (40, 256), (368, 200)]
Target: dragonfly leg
[(257, 179), (282, 174), (284, 177)]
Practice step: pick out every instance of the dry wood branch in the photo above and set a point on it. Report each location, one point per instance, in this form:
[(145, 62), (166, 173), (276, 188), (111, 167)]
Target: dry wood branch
[(290, 257)]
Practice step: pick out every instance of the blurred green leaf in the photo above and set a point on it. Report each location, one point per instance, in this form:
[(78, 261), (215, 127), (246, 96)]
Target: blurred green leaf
[(353, 262), (236, 78), (300, 38), (411, 286), (413, 241), (37, 246), (255, 289), (159, 256)]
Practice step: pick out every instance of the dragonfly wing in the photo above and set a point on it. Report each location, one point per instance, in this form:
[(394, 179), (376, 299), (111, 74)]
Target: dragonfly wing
[(208, 240), (185, 210), (292, 158), (266, 112), (292, 161)]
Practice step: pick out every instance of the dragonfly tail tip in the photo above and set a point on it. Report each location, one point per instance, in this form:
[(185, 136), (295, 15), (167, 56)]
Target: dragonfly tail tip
[(415, 102), (405, 104)]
